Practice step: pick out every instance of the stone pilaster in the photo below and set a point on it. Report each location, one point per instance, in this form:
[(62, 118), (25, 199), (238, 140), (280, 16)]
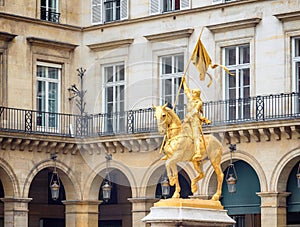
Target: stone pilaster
[(82, 213), (15, 211), (140, 208), (273, 209)]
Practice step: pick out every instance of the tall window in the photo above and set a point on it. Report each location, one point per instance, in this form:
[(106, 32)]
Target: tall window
[(170, 5), (296, 70), (109, 10), (237, 88), (48, 94), (49, 10), (171, 73), (160, 6), (114, 101)]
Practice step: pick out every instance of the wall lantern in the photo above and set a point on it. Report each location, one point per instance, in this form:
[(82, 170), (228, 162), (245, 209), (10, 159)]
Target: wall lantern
[(298, 176), (54, 182), (165, 187), (231, 176), (106, 188)]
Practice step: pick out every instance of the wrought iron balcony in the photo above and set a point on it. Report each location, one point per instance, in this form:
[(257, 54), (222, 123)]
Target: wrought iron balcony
[(49, 15), (226, 112)]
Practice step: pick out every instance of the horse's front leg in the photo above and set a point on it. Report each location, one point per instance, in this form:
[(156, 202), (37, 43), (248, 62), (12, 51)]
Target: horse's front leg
[(198, 166), (177, 185)]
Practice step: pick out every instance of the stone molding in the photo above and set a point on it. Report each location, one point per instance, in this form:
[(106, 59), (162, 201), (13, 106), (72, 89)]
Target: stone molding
[(144, 142), (7, 37), (51, 43), (234, 25), (290, 16), (185, 33), (110, 45)]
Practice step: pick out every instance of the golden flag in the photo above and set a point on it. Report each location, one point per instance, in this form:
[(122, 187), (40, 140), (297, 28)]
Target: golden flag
[(202, 61)]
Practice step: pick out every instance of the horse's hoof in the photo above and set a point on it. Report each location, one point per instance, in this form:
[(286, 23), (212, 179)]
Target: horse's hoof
[(175, 196), (215, 198)]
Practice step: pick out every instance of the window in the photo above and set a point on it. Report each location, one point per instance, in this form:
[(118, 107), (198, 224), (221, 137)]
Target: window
[(48, 94), (109, 10), (172, 67), (160, 6), (296, 70), (49, 10), (114, 101), (237, 88)]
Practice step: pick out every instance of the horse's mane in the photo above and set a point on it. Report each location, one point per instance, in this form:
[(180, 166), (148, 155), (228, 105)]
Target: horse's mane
[(174, 115)]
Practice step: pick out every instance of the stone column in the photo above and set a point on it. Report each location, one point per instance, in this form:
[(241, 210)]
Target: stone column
[(15, 211), (81, 213), (273, 209), (140, 208)]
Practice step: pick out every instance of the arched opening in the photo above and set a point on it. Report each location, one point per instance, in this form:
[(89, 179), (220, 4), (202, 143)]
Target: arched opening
[(116, 212), (293, 200), (185, 185), (243, 205), (43, 210), (1, 205)]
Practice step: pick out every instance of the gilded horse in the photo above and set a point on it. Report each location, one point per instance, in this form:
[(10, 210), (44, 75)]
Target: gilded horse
[(179, 147)]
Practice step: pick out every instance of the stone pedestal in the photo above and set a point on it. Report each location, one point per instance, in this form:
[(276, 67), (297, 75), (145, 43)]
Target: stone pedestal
[(188, 212), (81, 213)]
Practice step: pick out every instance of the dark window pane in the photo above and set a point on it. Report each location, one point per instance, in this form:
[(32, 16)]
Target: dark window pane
[(244, 54)]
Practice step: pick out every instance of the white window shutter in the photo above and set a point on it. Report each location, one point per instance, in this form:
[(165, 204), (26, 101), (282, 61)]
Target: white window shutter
[(124, 9), (217, 1), (154, 6), (184, 4), (96, 11)]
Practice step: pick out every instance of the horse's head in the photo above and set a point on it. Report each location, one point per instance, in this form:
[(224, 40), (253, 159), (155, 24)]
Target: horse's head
[(162, 117)]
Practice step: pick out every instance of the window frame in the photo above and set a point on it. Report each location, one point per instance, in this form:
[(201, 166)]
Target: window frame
[(157, 6), (175, 76), (116, 85), (48, 9), (240, 102), (295, 61), (98, 11), (58, 81)]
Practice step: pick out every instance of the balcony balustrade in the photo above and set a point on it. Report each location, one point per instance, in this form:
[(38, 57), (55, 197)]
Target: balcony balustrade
[(221, 113), (49, 15)]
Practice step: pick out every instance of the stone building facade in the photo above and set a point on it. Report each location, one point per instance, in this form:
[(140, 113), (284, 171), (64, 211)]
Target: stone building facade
[(134, 54)]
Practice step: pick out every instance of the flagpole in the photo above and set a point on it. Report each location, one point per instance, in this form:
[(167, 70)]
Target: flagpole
[(178, 91), (184, 72)]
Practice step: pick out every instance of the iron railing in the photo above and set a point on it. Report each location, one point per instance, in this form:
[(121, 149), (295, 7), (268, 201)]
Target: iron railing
[(49, 15), (252, 109)]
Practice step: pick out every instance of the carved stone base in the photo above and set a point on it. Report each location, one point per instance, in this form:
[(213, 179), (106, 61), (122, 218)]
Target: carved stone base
[(184, 212)]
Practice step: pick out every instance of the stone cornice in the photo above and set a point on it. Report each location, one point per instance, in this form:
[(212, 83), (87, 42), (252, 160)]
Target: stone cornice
[(185, 33), (290, 16), (7, 37), (110, 45), (51, 43), (234, 25), (172, 14), (271, 131), (19, 18)]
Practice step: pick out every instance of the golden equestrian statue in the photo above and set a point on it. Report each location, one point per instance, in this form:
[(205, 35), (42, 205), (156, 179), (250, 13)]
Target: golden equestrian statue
[(185, 141)]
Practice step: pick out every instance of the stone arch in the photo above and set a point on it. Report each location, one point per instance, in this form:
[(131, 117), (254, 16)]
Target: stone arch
[(67, 177), (209, 186), (9, 180), (154, 172), (96, 177), (282, 170)]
